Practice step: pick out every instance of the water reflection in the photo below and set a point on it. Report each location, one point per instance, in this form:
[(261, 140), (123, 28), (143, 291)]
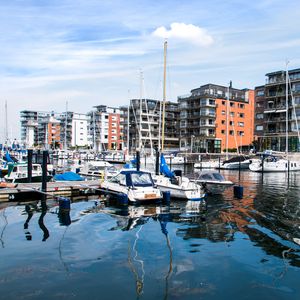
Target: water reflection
[(182, 250)]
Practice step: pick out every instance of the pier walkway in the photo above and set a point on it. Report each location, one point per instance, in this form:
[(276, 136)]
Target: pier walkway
[(58, 188)]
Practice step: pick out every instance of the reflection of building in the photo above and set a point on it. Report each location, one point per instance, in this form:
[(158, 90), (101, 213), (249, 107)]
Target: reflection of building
[(213, 115), (144, 124), (105, 129), (270, 111)]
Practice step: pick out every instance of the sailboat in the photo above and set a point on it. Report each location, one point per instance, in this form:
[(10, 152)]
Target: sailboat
[(272, 163), (179, 186)]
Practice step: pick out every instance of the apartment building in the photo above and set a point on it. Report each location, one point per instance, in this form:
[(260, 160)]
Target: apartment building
[(144, 123), (105, 128), (49, 132), (275, 107), (39, 128), (53, 130), (214, 118)]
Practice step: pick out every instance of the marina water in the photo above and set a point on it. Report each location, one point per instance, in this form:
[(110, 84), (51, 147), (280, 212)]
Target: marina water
[(230, 248)]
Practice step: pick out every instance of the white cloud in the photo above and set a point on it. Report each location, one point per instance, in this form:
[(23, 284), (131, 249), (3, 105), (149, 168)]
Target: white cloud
[(187, 32)]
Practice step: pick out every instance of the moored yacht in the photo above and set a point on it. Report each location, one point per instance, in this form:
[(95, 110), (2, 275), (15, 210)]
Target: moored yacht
[(137, 185), (213, 182), (18, 173), (273, 163), (235, 163)]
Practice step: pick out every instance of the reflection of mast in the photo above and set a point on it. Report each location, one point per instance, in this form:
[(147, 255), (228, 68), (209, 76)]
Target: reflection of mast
[(139, 279), (2, 232), (163, 225)]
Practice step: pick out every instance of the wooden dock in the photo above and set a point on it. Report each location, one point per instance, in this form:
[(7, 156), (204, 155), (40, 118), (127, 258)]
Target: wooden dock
[(62, 188)]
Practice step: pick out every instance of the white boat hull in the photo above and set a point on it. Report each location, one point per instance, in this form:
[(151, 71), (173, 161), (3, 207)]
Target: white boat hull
[(186, 189), (281, 165), (244, 165), (207, 165)]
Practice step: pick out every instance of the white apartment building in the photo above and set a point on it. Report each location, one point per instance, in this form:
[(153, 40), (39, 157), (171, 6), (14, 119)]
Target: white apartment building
[(79, 129)]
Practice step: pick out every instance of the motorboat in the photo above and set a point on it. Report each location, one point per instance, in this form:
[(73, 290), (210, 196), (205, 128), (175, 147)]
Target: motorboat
[(271, 163), (18, 173), (208, 164), (137, 185), (97, 169), (180, 187), (213, 182), (236, 163)]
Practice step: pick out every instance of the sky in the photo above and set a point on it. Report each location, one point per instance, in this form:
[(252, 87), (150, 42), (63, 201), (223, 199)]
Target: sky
[(93, 52)]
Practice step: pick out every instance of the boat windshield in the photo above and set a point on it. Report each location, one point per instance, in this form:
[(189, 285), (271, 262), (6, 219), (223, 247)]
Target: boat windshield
[(143, 179), (218, 176)]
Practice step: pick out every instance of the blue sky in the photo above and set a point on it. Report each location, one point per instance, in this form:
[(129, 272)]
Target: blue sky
[(90, 52)]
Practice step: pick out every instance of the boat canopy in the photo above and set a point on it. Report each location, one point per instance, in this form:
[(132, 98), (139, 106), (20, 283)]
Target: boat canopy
[(133, 178)]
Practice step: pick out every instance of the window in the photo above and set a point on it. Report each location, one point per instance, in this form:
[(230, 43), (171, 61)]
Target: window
[(231, 123), (259, 127), (223, 122), (223, 102), (259, 116), (223, 112), (260, 93), (223, 131), (231, 104), (242, 115), (241, 105), (241, 124), (231, 114), (231, 132)]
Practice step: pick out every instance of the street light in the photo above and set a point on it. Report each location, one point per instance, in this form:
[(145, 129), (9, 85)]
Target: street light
[(192, 138)]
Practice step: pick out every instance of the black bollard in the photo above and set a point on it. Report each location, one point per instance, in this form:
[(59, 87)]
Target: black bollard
[(157, 162), (44, 174), (29, 165), (137, 160)]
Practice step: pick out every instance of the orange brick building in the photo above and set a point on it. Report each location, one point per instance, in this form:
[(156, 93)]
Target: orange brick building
[(214, 117), (236, 116)]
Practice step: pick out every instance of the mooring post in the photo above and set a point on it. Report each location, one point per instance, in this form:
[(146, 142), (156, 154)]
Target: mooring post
[(44, 173), (29, 165), (156, 161), (138, 160)]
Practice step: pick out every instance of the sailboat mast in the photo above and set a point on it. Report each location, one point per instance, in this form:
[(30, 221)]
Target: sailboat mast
[(94, 131), (286, 110), (164, 98), (6, 123), (66, 123), (141, 108), (227, 120)]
